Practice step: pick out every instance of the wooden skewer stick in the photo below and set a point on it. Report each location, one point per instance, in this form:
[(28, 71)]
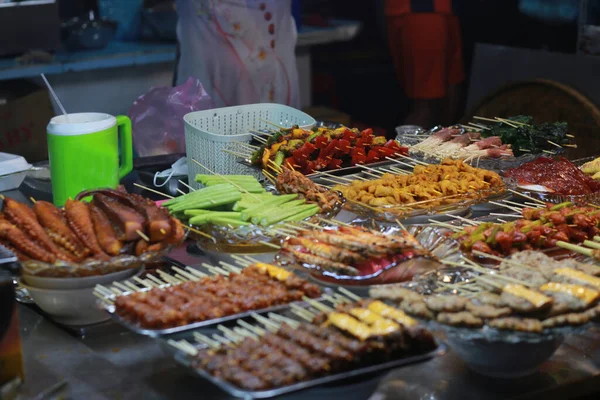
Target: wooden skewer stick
[(445, 225), (153, 191), (145, 282), (272, 326), (400, 162), (142, 235), (295, 306), (274, 246), (317, 305), (273, 124), (521, 206), (467, 220), (515, 209), (240, 260), (302, 315), (185, 274), (230, 267), (400, 225), (200, 338), (245, 333), (349, 294), (506, 215), (548, 152), (204, 234), (486, 119), (103, 298), (281, 319), (182, 347), (554, 144), (229, 333), (252, 328), (508, 122), (527, 197), (259, 138), (237, 153)]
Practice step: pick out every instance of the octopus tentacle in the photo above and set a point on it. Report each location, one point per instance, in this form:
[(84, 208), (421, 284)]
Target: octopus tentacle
[(107, 237), (80, 221), (57, 228), (15, 237), (24, 217)]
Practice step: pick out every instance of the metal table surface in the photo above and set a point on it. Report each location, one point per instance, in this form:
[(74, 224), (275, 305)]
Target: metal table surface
[(109, 362)]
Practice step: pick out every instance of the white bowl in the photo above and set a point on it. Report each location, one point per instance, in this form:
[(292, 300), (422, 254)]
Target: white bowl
[(69, 307), (75, 307), (500, 359), (44, 282)]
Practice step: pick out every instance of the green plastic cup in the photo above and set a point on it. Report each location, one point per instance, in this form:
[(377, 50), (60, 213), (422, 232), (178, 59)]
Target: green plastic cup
[(83, 150)]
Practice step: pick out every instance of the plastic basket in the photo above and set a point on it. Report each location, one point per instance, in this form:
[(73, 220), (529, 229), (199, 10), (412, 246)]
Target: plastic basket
[(208, 132)]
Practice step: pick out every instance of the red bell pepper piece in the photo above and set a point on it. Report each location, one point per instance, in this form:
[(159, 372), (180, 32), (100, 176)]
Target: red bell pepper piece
[(349, 135), (392, 144), (359, 143), (321, 142), (291, 161), (299, 158), (384, 151), (373, 156), (334, 163), (330, 149), (344, 146), (367, 136), (307, 149), (358, 159)]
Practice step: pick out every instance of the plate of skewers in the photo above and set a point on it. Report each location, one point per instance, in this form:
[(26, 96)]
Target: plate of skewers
[(236, 214), (335, 253), (503, 322), (558, 180), (345, 338), (493, 143), (429, 191), (113, 232), (339, 150)]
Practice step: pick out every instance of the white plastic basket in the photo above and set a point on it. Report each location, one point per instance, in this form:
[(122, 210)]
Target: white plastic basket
[(208, 132)]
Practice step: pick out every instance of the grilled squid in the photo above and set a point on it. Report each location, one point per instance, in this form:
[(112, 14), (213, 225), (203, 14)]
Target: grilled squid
[(57, 228), (24, 217), (15, 237)]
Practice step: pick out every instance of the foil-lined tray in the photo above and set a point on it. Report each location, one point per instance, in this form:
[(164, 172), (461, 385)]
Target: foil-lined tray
[(431, 241), (105, 302)]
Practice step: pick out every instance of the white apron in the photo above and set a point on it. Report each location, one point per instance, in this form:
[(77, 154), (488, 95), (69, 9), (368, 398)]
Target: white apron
[(241, 50)]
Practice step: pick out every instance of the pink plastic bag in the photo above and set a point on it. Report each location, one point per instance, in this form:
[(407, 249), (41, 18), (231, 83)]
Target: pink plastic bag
[(157, 117)]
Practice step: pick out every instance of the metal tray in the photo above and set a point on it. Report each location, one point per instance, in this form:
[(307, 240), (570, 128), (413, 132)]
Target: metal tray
[(111, 310), (264, 394)]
